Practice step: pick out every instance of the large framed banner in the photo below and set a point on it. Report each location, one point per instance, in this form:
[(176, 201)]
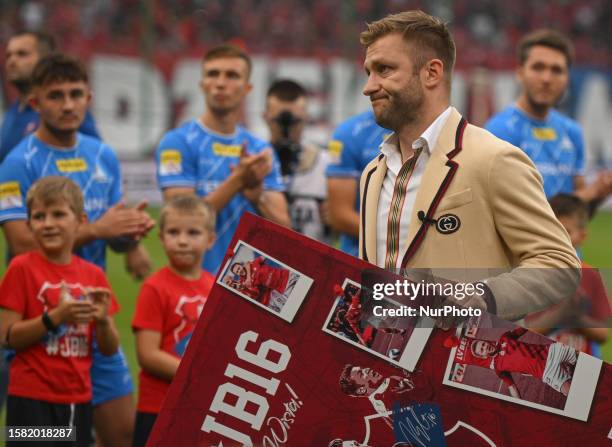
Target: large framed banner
[(288, 352)]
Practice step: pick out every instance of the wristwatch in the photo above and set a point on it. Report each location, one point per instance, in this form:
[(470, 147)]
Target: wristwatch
[(46, 319)]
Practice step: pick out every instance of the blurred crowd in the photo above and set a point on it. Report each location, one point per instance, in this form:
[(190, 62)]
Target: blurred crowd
[(486, 31)]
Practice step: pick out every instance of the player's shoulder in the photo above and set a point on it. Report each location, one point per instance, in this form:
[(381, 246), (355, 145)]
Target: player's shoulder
[(565, 121), (184, 132), (502, 117), (361, 124), (92, 146)]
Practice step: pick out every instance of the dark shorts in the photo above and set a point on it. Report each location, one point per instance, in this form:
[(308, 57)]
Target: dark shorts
[(21, 411), (142, 429)]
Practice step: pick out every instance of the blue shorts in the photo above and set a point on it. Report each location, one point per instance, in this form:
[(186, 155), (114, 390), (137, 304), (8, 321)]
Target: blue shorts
[(110, 376)]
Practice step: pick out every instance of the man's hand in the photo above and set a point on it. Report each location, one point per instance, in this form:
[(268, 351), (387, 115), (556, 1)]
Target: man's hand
[(138, 262), (121, 221), (252, 169)]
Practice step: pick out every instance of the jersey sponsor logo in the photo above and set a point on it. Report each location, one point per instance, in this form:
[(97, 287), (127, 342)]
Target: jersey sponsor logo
[(170, 162), (10, 195), (71, 165), (227, 150), (544, 133), (335, 147)]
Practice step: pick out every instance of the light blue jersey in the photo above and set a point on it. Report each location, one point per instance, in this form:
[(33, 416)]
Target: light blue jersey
[(91, 164), (354, 144), (193, 156), (555, 145)]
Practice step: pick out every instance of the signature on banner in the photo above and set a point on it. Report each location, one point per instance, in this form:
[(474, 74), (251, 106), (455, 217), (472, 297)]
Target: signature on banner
[(279, 426)]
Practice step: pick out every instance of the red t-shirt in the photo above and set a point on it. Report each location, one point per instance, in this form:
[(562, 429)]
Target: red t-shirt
[(171, 305), (56, 369)]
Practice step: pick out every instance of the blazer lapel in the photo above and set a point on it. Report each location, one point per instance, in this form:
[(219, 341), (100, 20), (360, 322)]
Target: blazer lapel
[(369, 206), (439, 172)]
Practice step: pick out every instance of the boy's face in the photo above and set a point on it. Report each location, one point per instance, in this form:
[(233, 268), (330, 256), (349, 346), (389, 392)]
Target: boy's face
[(576, 228), (54, 226), (185, 239), (62, 105)]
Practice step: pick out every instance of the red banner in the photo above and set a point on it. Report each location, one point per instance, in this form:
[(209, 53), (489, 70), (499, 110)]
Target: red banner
[(288, 353)]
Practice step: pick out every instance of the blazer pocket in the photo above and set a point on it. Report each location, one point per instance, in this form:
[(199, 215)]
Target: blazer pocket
[(455, 200)]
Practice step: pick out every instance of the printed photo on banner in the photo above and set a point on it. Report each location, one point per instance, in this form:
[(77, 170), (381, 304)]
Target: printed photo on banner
[(501, 360), (391, 338), (265, 281)]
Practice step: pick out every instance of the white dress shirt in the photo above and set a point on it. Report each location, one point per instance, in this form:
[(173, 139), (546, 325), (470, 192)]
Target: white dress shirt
[(405, 189)]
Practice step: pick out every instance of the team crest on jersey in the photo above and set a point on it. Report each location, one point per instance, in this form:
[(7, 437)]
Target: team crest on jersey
[(170, 162), (71, 165), (10, 195), (51, 294), (227, 150), (189, 309)]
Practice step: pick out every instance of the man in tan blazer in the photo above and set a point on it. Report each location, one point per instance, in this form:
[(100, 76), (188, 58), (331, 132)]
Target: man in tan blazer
[(444, 194)]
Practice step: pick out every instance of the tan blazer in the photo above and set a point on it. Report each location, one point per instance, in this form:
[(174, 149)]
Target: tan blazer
[(499, 219)]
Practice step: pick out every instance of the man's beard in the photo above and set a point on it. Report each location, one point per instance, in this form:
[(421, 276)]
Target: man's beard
[(60, 134), (541, 108), (22, 85), (404, 108)]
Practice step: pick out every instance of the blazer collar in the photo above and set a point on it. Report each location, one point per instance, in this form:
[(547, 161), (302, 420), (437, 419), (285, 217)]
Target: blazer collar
[(439, 173)]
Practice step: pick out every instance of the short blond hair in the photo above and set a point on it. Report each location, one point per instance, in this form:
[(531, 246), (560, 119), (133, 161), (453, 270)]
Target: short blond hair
[(189, 204), (428, 34), (51, 189)]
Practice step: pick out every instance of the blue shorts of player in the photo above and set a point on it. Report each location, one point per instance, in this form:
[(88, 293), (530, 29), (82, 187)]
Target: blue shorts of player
[(110, 377)]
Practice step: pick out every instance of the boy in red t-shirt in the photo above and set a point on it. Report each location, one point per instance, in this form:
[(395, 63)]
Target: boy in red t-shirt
[(52, 301), (170, 303), (581, 321)]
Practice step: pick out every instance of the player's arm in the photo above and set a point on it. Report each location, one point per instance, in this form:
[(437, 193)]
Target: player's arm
[(273, 205), (19, 237), (117, 222), (138, 262), (248, 173), (342, 193), (506, 377), (151, 358)]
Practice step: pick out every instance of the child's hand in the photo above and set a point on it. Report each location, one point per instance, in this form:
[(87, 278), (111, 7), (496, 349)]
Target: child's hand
[(73, 311), (100, 300)]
